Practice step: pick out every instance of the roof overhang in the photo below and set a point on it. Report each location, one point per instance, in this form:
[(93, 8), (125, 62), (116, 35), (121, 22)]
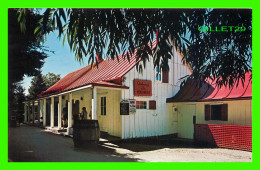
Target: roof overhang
[(92, 85)]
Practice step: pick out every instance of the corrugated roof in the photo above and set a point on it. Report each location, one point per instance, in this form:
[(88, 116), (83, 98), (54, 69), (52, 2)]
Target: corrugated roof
[(65, 81), (108, 73), (209, 91)]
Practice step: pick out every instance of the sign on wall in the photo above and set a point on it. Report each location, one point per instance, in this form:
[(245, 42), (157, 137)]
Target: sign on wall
[(142, 87), (127, 106), (132, 106), (124, 107)]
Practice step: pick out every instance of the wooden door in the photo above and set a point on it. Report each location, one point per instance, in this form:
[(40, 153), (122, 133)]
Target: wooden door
[(185, 120)]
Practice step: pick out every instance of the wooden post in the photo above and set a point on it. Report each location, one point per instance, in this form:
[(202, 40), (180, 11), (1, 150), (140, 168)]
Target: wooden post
[(52, 112), (59, 111), (94, 103), (28, 112), (39, 112), (25, 112), (33, 112), (40, 105), (44, 112), (70, 111)]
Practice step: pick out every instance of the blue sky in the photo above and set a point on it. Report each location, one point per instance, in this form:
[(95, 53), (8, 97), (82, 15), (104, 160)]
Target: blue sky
[(61, 62)]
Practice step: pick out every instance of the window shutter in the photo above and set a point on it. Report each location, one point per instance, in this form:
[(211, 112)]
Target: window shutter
[(165, 75), (207, 112), (152, 104), (224, 112)]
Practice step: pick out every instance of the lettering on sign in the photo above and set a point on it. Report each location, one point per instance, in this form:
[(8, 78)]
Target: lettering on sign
[(142, 87), (132, 106)]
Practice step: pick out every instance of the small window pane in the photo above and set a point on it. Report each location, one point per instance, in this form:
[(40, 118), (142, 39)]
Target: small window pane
[(216, 112), (157, 74), (141, 104)]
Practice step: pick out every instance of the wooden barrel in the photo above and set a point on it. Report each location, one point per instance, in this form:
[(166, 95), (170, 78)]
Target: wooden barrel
[(86, 132)]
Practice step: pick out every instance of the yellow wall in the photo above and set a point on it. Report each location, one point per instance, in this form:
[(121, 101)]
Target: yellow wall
[(239, 113), (112, 122)]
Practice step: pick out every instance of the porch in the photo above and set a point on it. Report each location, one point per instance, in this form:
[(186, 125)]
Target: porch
[(101, 103)]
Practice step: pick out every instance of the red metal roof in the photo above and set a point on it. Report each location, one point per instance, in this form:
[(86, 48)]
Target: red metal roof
[(208, 91), (108, 73)]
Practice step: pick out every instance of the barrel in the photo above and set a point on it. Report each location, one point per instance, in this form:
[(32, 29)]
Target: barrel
[(86, 133)]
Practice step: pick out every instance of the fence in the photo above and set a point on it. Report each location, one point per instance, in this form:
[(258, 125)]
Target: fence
[(225, 136)]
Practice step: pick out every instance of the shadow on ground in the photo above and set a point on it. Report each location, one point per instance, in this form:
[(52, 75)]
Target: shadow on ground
[(152, 143)]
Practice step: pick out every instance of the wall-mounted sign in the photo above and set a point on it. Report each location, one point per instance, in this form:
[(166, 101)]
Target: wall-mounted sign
[(124, 107), (132, 106), (127, 106), (142, 87)]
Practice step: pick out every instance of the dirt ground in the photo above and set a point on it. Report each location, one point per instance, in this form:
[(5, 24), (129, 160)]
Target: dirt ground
[(178, 153), (32, 144)]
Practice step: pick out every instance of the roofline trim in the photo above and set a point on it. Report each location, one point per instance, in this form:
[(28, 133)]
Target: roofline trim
[(210, 100), (70, 91), (82, 88)]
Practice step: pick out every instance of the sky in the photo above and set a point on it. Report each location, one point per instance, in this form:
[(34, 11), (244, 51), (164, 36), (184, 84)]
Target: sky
[(61, 62)]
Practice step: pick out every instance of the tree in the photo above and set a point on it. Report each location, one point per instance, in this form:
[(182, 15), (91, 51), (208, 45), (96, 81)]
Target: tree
[(25, 53), (37, 86), (50, 79), (225, 56), (40, 83), (17, 102)]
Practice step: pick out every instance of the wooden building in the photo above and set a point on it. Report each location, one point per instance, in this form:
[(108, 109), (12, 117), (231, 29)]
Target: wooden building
[(130, 104), (127, 103), (219, 116)]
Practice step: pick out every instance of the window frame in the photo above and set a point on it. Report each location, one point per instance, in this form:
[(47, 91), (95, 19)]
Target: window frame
[(208, 112)]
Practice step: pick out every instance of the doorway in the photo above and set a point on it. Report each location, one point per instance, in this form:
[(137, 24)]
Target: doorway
[(187, 114)]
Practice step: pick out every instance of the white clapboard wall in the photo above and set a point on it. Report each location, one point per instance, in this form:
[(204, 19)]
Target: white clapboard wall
[(152, 122)]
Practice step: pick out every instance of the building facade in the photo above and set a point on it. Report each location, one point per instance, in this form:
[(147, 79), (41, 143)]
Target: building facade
[(219, 116), (126, 103), (131, 104)]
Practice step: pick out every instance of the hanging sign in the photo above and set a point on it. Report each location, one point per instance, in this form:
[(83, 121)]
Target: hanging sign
[(142, 87)]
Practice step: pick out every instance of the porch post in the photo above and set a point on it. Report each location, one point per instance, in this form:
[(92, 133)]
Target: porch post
[(94, 103), (59, 111), (40, 108), (44, 112), (28, 112), (33, 112), (52, 112), (70, 111), (38, 111), (25, 113)]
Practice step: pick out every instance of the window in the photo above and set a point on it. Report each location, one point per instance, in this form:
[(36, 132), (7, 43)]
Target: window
[(141, 104), (216, 112), (103, 106), (158, 74), (165, 75), (152, 105)]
